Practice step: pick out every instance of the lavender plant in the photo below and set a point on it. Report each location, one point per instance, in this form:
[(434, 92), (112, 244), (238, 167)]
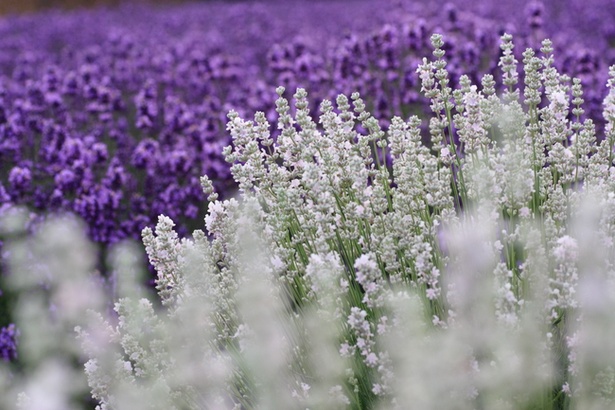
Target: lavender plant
[(473, 272), (117, 124), (512, 155), (52, 272)]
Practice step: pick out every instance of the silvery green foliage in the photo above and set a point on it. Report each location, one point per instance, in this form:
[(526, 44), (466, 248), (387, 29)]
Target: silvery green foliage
[(463, 248)]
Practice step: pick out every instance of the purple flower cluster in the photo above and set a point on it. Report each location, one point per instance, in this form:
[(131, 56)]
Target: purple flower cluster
[(119, 122), (8, 342), (382, 64), (114, 114)]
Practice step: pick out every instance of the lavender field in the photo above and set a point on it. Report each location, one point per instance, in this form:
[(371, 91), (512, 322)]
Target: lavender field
[(312, 205)]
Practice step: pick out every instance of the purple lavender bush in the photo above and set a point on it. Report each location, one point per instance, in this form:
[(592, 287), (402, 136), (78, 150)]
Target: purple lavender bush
[(118, 123)]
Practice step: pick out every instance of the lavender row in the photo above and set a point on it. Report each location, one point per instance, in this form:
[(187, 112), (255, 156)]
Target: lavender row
[(114, 114), (119, 122)]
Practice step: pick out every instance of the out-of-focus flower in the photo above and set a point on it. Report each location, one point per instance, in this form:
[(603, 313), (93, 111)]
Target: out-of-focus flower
[(8, 342)]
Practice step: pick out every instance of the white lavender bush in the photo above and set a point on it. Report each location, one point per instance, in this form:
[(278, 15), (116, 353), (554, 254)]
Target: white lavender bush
[(359, 269)]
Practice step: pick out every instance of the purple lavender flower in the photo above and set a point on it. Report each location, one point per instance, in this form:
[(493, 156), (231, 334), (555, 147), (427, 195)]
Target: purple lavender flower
[(9, 336), (149, 89), (20, 179)]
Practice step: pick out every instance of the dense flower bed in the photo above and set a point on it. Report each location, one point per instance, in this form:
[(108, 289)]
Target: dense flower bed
[(473, 271), (119, 124)]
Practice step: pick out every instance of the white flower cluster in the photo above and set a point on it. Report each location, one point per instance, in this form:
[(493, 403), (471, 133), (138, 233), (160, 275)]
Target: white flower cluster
[(351, 218)]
